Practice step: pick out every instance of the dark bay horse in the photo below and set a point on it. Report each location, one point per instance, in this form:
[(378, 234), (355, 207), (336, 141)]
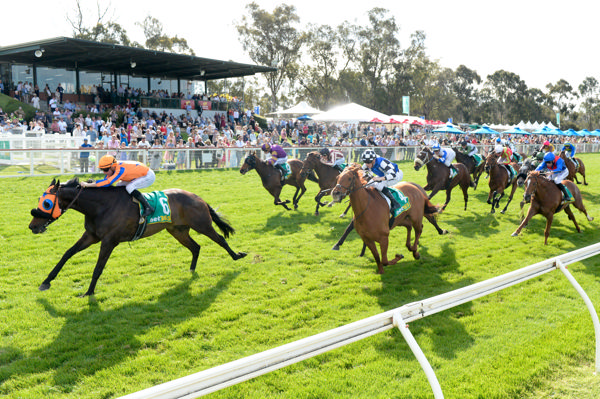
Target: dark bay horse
[(111, 217), (574, 169), (326, 174), (438, 176), (529, 165), (469, 162), (546, 199), (271, 178), (371, 213), (499, 180)]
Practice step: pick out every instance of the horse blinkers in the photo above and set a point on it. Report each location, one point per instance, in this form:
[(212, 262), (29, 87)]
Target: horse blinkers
[(48, 209)]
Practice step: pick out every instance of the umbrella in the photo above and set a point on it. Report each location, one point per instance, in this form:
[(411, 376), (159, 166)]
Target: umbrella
[(544, 130), (571, 132), (376, 120), (304, 118), (515, 130), (447, 129), (485, 130), (585, 132), (416, 122), (392, 120)]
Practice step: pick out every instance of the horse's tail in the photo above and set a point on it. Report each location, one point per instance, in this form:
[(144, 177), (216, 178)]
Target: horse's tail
[(221, 222), (431, 210), (312, 177)]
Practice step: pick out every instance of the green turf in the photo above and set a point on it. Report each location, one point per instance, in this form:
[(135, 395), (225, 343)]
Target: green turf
[(152, 321)]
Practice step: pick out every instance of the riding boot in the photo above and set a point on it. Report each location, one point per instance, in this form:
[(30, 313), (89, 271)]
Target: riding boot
[(283, 172), (566, 196), (393, 204), (339, 167), (452, 168), (148, 209)]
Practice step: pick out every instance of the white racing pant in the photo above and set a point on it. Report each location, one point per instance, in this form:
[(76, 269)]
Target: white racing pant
[(140, 182)]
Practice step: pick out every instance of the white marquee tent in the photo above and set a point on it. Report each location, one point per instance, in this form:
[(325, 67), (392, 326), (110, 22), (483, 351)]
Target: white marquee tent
[(351, 112), (302, 108)]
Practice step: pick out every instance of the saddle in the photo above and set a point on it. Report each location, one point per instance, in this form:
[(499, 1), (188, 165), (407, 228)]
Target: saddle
[(511, 173)]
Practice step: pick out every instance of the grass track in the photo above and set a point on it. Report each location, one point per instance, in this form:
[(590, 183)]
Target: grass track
[(152, 321)]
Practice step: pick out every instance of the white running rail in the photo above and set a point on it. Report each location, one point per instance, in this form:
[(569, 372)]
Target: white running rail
[(216, 378)]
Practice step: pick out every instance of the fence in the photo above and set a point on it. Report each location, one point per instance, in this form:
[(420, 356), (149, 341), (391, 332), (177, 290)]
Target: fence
[(232, 373)]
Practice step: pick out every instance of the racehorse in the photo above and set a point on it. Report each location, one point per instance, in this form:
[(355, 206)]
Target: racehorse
[(528, 165), (499, 181), (430, 217), (546, 199), (574, 169), (327, 177), (438, 176), (111, 217), (469, 162), (271, 178), (371, 213)]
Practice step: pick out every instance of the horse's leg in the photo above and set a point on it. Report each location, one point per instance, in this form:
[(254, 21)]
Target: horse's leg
[(338, 244), (373, 248), (578, 204), (432, 220), (343, 215), (533, 210), (318, 201), (206, 228), (418, 231), (465, 190), (549, 219), (582, 173), (182, 234), (448, 195), (510, 197), (85, 241), (569, 212), (297, 197), (383, 245), (106, 248)]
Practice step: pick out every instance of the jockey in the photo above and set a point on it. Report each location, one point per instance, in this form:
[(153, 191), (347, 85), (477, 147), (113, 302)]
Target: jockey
[(387, 174), (132, 175), (518, 158), (333, 158), (445, 156), (470, 149), (569, 149), (547, 147), (505, 154), (278, 157), (556, 165)]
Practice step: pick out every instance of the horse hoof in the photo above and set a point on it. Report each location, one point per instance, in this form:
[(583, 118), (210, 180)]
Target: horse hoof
[(240, 255), (335, 248), (445, 232), (416, 255), (514, 235), (44, 287), (502, 211)]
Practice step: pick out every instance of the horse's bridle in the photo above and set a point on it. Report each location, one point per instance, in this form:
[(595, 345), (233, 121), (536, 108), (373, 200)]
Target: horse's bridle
[(429, 158), (351, 189), (49, 216)]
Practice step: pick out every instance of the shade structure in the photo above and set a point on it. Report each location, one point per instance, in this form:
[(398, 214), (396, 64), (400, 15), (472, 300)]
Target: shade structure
[(484, 130), (585, 132), (595, 132), (304, 118), (448, 129), (545, 130), (515, 130), (302, 108), (376, 120), (572, 132), (351, 112), (392, 120)]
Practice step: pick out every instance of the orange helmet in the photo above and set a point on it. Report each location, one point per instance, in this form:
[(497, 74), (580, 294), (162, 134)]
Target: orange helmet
[(107, 161)]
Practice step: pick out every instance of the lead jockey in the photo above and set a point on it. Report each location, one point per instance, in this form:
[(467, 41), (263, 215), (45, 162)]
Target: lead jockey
[(278, 157), (386, 173), (445, 156), (132, 175), (334, 158), (569, 150), (505, 154), (556, 165)]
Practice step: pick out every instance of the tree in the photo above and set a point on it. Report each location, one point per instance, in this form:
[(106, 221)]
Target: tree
[(102, 30), (562, 92), (156, 39), (504, 87), (272, 39), (464, 87)]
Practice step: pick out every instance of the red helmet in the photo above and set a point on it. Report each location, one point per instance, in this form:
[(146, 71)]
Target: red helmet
[(547, 143)]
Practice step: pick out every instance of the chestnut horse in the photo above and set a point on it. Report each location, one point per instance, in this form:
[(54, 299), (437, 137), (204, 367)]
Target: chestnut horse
[(499, 180), (574, 169), (371, 213), (546, 199), (469, 162), (438, 176), (327, 177), (111, 217), (271, 178)]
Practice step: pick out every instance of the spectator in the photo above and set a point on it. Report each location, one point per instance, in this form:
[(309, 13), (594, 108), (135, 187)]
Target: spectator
[(84, 157)]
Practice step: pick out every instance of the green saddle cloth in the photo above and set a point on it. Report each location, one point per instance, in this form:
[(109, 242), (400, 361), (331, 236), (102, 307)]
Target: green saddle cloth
[(288, 170), (162, 210), (511, 174), (478, 159), (453, 173), (402, 200)]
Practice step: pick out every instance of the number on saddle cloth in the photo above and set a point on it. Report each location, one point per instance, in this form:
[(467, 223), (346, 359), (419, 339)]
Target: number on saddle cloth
[(400, 198), (478, 159), (453, 172), (162, 210)]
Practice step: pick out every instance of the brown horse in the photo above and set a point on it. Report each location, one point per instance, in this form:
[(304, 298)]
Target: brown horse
[(438, 176), (546, 199), (327, 177), (271, 178), (499, 180), (574, 169), (474, 169), (111, 217), (371, 213)]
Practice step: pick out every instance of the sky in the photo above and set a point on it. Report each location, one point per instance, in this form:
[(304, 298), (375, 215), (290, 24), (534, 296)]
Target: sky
[(542, 42)]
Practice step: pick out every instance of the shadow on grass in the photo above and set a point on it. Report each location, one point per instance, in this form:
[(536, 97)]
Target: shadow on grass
[(91, 340)]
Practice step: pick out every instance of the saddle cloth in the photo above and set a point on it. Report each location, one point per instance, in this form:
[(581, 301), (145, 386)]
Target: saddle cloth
[(162, 210), (400, 197)]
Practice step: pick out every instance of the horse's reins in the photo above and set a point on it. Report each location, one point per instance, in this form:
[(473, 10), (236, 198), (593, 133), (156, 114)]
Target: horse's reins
[(72, 202), (350, 190)]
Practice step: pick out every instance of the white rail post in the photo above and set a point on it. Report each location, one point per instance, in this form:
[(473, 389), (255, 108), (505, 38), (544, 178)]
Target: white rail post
[(589, 305), (414, 346)]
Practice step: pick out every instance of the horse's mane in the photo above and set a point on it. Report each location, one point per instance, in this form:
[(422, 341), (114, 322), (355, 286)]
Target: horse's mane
[(357, 168), (74, 182), (534, 173)]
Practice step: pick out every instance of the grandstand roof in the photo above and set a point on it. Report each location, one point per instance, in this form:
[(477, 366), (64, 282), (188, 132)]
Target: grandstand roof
[(64, 52)]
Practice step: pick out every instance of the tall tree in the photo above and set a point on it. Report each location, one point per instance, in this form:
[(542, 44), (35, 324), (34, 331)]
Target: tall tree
[(464, 87), (103, 29), (272, 39), (504, 87), (563, 93), (156, 39)]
